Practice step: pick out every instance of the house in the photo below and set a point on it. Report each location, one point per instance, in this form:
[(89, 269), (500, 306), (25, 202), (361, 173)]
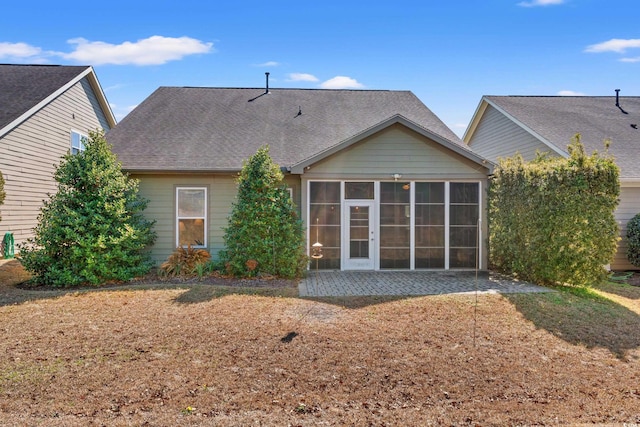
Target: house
[(505, 125), (45, 111), (379, 180)]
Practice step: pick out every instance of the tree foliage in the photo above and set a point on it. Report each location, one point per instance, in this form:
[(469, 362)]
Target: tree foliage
[(264, 234), (552, 220), (633, 240), (92, 230)]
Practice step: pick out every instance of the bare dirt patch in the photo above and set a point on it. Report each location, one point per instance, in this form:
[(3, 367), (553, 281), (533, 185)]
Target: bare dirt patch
[(203, 354)]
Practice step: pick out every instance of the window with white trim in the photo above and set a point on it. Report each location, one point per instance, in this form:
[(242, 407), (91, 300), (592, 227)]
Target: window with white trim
[(78, 141), (191, 217)]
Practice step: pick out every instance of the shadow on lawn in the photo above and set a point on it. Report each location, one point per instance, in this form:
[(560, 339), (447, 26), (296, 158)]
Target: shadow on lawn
[(582, 317)]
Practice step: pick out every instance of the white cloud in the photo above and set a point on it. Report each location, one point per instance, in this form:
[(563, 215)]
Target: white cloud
[(19, 50), (636, 59), (302, 77), (154, 50), (121, 112), (614, 45), (570, 93), (535, 3), (341, 82), (268, 64)]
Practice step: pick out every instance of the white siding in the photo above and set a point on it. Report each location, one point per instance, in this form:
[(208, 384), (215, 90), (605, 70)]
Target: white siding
[(29, 153), (497, 136)]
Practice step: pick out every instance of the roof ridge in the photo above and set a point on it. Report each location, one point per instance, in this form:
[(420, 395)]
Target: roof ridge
[(286, 89)]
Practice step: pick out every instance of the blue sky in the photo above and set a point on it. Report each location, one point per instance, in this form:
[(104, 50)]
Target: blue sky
[(448, 53)]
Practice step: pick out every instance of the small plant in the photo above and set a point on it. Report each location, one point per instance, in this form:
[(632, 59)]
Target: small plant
[(302, 408), (188, 410), (633, 239), (186, 262)]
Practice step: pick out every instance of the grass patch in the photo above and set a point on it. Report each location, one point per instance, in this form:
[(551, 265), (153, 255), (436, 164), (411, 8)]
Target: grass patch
[(582, 316)]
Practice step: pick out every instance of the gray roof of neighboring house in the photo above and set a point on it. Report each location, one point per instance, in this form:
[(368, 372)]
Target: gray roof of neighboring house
[(22, 87), (216, 129), (556, 119)]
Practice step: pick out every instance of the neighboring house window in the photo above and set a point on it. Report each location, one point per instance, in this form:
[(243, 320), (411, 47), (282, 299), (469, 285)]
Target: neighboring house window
[(191, 216), (77, 142)]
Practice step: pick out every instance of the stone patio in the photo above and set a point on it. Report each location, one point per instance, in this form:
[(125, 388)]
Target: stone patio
[(373, 283)]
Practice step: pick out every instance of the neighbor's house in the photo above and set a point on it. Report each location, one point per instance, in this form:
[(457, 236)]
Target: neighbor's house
[(379, 180), (505, 125), (45, 110)]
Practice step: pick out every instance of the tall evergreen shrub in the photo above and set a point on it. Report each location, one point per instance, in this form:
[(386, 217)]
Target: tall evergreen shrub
[(552, 220), (264, 234), (92, 230)]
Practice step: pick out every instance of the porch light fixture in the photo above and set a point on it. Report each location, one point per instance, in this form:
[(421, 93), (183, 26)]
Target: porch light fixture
[(396, 176)]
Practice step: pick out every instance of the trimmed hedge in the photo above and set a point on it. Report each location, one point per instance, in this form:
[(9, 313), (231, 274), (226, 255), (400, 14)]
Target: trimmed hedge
[(552, 220), (633, 240)]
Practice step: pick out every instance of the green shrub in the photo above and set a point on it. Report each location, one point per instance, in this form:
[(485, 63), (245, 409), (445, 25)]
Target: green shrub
[(633, 240), (92, 230), (264, 234), (551, 220)]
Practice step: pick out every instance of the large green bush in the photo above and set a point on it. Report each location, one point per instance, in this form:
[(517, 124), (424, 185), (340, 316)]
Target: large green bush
[(633, 240), (92, 230), (264, 234), (552, 220)]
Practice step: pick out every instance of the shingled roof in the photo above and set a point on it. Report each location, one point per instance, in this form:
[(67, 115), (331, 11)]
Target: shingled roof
[(24, 87), (556, 119), (216, 129)]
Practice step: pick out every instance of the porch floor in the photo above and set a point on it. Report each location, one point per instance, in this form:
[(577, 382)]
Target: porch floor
[(372, 283)]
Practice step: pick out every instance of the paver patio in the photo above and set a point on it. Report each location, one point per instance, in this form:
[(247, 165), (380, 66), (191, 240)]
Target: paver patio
[(375, 283)]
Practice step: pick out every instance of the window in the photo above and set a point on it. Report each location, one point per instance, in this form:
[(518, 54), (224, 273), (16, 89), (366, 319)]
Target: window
[(78, 141), (395, 225), (358, 190), (324, 220), (430, 225), (463, 228), (191, 217)]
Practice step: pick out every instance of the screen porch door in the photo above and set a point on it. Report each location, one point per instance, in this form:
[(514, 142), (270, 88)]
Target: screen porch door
[(359, 240)]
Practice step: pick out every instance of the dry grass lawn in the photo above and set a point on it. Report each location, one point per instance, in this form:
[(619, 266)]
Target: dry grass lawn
[(204, 355)]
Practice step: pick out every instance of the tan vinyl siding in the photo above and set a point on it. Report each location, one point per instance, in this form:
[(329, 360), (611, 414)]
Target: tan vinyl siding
[(293, 182), (497, 136), (29, 152), (400, 150), (629, 206), (396, 150), (160, 190)]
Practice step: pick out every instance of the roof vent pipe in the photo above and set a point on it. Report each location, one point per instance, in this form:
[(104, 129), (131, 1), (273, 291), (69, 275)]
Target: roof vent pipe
[(618, 98), (267, 88)]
